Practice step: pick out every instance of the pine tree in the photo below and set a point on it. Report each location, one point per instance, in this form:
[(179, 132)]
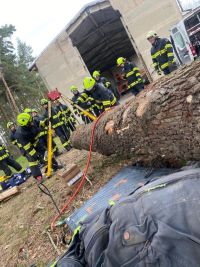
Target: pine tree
[(26, 87)]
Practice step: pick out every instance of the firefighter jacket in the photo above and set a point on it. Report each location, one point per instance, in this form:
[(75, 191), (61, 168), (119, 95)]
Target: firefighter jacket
[(56, 118), (103, 97), (162, 54), (132, 74), (28, 137), (105, 82), (14, 141), (65, 113), (86, 104), (4, 154)]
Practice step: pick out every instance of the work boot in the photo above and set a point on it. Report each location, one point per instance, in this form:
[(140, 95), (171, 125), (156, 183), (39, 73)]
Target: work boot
[(58, 153), (57, 167), (69, 147)]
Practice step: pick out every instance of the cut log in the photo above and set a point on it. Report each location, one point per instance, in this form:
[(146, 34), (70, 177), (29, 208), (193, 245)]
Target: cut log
[(163, 121), (7, 194)]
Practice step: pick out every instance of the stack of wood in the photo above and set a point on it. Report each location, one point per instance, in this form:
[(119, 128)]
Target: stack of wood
[(71, 175)]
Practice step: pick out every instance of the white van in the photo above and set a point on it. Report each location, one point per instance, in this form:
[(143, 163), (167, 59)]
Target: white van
[(185, 37)]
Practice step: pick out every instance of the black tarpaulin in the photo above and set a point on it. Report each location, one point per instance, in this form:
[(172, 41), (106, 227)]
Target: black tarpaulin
[(101, 38)]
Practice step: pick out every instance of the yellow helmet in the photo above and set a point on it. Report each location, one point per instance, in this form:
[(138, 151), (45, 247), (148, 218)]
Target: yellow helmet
[(43, 101), (9, 124), (73, 88), (23, 119), (95, 74), (151, 34), (27, 110), (120, 61), (34, 110), (88, 83)]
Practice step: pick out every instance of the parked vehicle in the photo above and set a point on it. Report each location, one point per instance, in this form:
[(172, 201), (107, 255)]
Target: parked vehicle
[(185, 37)]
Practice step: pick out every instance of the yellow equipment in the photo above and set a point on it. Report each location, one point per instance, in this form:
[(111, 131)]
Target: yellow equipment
[(86, 113), (50, 150)]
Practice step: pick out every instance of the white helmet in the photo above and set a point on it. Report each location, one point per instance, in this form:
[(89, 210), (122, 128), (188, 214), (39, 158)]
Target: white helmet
[(151, 34)]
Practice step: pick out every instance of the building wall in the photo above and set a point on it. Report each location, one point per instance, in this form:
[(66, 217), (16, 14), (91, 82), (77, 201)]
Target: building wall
[(60, 65), (142, 16)]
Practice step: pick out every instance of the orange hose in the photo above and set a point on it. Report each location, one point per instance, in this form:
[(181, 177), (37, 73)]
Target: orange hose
[(82, 179)]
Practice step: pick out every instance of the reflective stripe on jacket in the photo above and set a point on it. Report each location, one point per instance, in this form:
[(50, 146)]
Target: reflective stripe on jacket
[(132, 74), (162, 54)]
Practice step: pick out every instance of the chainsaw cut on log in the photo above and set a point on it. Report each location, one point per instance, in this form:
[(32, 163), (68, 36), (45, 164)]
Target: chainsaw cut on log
[(163, 121)]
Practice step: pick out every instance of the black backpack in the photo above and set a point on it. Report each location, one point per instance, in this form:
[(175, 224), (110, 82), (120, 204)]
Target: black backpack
[(156, 226)]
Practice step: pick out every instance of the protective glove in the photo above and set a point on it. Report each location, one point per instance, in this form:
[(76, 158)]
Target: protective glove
[(108, 84), (39, 179)]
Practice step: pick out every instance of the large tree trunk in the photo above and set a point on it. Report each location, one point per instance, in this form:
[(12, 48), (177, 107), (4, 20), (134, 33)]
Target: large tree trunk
[(162, 121)]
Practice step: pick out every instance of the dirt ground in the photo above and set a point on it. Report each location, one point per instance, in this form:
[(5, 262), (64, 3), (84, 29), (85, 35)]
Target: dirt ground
[(25, 219)]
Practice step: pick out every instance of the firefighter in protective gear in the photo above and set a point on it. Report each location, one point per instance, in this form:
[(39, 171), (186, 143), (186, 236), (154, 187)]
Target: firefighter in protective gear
[(162, 54), (57, 124), (66, 115), (34, 112), (5, 161), (100, 79), (84, 105), (11, 126), (132, 75), (28, 135), (27, 110), (37, 120), (101, 95)]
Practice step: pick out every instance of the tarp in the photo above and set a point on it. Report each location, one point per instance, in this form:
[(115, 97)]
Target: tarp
[(123, 184), (101, 38), (16, 179)]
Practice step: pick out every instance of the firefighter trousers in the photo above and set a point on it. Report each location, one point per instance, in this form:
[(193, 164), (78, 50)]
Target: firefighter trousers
[(4, 166), (63, 134)]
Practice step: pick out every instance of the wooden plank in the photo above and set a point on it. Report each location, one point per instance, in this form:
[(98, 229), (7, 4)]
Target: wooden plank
[(71, 175), (69, 172), (69, 168), (9, 193)]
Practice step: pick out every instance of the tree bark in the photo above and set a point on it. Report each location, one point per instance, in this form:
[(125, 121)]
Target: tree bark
[(163, 121)]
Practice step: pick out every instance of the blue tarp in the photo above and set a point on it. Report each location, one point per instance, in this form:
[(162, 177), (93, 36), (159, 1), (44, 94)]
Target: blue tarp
[(16, 179), (123, 184)]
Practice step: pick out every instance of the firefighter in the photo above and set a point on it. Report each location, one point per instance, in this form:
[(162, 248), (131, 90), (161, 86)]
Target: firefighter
[(7, 161), (162, 54), (132, 75), (66, 115), (11, 126), (34, 113), (37, 120), (84, 105), (57, 124), (27, 110), (28, 135), (100, 79), (101, 95)]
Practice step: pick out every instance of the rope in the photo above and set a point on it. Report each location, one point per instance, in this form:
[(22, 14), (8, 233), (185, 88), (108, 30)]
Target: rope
[(83, 177)]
